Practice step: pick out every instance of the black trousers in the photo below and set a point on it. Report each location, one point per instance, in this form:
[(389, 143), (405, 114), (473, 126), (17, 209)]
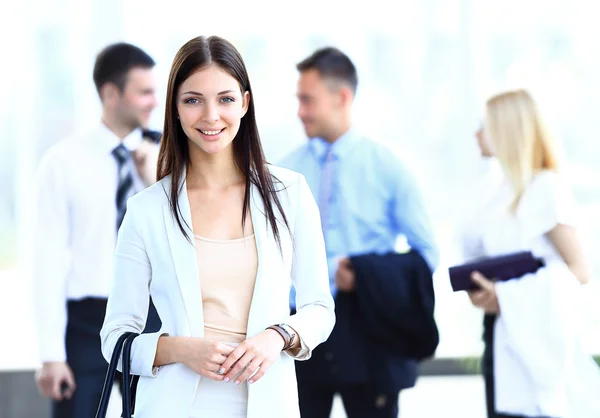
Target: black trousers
[(359, 401), (488, 369), (85, 319)]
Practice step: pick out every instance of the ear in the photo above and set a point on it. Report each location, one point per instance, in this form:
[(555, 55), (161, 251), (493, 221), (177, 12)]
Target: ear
[(109, 94), (245, 102), (345, 96)]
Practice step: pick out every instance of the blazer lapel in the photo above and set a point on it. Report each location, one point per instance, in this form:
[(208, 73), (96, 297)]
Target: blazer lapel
[(183, 253), (262, 235)]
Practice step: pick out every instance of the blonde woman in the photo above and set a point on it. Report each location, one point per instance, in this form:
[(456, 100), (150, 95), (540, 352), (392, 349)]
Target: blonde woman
[(529, 208)]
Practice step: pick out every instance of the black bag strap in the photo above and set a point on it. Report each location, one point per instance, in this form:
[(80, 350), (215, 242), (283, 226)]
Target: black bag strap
[(112, 372), (128, 399), (134, 383)]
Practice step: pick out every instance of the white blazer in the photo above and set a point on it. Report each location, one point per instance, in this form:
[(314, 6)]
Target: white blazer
[(153, 257)]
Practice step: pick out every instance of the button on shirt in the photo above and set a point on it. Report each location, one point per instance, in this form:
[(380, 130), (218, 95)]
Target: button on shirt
[(75, 233), (371, 199)]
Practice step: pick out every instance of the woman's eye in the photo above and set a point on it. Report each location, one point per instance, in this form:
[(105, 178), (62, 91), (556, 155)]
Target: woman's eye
[(191, 100), (228, 100)]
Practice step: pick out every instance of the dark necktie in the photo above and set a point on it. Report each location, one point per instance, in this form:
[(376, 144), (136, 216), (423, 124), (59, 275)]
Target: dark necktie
[(125, 181)]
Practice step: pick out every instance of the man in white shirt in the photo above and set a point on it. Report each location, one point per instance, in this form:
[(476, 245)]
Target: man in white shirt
[(84, 183)]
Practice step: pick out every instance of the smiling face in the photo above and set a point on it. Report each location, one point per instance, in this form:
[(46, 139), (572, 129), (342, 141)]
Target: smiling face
[(210, 106), (138, 98), (131, 106)]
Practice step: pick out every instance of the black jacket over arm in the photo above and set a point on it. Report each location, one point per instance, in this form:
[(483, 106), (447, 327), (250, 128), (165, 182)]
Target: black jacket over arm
[(383, 328), (396, 300)]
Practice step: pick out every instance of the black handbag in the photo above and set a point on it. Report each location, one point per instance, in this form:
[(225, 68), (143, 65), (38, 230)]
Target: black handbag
[(128, 382)]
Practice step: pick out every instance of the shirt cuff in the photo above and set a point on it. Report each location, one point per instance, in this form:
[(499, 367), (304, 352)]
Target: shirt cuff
[(52, 349), (143, 353)]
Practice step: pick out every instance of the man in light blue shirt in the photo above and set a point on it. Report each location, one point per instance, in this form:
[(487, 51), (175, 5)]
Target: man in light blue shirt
[(367, 199)]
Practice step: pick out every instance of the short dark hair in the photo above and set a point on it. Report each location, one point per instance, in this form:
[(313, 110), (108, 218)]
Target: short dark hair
[(332, 63), (115, 61)]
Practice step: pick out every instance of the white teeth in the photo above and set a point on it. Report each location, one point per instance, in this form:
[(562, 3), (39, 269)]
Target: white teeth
[(210, 132)]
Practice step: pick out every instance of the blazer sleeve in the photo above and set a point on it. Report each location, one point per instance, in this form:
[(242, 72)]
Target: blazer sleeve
[(315, 317), (128, 302)]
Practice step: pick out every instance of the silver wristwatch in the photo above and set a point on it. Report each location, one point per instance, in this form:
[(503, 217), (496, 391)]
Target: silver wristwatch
[(290, 331)]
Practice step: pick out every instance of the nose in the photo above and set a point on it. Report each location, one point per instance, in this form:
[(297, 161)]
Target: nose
[(154, 101), (301, 112), (479, 135), (211, 114)]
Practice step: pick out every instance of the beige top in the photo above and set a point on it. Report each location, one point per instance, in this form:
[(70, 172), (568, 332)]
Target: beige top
[(227, 271)]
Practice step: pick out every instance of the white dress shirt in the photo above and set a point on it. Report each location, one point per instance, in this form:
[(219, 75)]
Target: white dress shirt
[(75, 232)]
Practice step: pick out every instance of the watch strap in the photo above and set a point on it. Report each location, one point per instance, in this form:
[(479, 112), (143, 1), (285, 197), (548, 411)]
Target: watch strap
[(287, 338)]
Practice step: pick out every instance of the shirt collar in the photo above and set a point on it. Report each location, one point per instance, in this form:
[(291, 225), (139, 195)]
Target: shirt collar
[(339, 148), (106, 140)]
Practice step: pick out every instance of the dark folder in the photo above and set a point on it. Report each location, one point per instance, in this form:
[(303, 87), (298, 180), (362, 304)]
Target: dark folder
[(500, 268)]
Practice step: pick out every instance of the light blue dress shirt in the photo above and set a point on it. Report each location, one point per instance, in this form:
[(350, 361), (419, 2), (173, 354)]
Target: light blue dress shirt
[(373, 199)]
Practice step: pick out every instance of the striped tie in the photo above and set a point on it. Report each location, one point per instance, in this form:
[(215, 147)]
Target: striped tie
[(125, 181)]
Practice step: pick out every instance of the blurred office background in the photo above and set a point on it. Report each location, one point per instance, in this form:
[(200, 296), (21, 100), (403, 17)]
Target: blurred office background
[(425, 70)]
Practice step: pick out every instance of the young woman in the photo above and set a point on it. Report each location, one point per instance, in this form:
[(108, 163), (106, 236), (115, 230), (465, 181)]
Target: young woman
[(526, 206), (217, 242)]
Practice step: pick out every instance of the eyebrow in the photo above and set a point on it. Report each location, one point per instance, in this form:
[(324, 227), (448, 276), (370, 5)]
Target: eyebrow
[(195, 93)]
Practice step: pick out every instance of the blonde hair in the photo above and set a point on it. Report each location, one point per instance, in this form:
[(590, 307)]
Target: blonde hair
[(519, 138)]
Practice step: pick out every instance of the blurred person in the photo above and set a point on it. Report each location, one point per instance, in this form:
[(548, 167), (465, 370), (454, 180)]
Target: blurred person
[(83, 184), (367, 199), (533, 364), (217, 243)]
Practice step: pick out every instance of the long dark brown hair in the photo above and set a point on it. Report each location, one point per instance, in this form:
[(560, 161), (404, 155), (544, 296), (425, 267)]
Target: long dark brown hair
[(174, 155)]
